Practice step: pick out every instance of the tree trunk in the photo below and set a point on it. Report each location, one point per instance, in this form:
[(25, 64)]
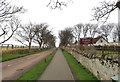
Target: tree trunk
[(30, 44), (40, 44), (118, 34), (119, 38)]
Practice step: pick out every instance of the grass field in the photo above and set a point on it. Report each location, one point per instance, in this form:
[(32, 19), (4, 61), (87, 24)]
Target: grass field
[(9, 56), (35, 72), (10, 49), (15, 50), (78, 70)]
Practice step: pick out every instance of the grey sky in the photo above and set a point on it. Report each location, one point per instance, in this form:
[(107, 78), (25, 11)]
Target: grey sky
[(80, 11)]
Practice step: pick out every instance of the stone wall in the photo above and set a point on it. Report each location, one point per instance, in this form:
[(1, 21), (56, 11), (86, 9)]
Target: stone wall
[(102, 68)]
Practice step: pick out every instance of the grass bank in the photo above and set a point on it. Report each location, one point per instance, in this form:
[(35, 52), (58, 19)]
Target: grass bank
[(78, 70), (35, 72), (9, 56)]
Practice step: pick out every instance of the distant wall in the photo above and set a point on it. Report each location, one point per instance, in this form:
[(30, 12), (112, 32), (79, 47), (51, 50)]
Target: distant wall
[(101, 68)]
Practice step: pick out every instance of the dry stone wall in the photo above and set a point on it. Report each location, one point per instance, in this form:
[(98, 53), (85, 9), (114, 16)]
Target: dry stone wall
[(102, 68)]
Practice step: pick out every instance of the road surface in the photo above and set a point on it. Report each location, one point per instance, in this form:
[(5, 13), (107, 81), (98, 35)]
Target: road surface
[(12, 68), (58, 69)]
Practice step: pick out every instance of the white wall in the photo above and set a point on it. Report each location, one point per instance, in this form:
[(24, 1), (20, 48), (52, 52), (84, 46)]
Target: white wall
[(101, 43)]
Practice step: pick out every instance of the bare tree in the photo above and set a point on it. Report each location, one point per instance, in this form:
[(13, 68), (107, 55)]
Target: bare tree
[(115, 35), (43, 36), (49, 39), (26, 34), (117, 32), (106, 30), (85, 29), (77, 31), (40, 32), (65, 37), (52, 40), (92, 29), (8, 29)]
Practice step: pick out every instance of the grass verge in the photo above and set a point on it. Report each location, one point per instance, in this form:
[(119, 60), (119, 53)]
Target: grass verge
[(35, 72), (6, 57), (78, 70)]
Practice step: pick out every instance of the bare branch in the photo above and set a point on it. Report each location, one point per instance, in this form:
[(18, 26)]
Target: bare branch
[(13, 25), (26, 33), (104, 11), (106, 29), (3, 32), (20, 41), (77, 31), (58, 4), (7, 11)]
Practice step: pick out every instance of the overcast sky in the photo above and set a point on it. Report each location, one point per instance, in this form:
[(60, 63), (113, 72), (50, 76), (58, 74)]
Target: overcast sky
[(80, 11)]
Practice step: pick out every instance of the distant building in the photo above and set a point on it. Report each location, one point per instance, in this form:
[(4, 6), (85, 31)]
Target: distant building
[(100, 41)]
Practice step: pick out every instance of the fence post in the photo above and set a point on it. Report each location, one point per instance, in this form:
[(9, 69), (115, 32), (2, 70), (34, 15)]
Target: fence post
[(102, 50), (12, 46), (45, 60), (109, 49), (7, 46)]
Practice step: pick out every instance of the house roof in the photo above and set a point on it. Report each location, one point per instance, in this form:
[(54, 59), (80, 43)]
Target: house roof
[(115, 78), (97, 38)]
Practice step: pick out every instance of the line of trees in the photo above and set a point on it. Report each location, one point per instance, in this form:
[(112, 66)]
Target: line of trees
[(10, 25), (65, 36), (36, 33), (101, 13), (81, 30)]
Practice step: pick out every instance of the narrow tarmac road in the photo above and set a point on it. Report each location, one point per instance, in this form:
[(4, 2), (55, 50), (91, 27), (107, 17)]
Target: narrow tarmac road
[(58, 69), (12, 68)]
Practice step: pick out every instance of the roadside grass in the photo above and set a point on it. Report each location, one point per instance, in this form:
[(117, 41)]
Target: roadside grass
[(9, 56), (35, 72), (78, 70)]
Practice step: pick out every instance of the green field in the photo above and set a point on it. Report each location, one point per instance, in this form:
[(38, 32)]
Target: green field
[(9, 56), (35, 72), (78, 70)]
